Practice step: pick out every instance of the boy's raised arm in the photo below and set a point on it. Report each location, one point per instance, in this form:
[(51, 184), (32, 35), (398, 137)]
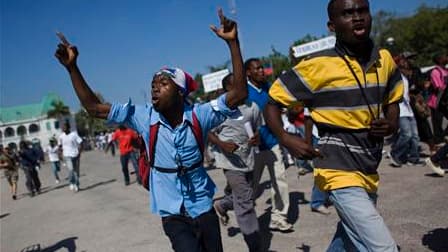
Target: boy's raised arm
[(67, 55), (228, 32)]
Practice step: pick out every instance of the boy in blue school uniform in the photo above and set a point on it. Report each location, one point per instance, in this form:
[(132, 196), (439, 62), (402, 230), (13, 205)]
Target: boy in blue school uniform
[(181, 191)]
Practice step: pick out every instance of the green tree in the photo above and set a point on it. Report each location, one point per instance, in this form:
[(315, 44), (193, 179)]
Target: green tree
[(89, 125), (278, 61), (425, 33), (59, 110)]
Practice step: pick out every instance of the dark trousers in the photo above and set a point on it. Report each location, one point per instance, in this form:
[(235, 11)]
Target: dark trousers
[(239, 197), (441, 154), (124, 159), (437, 120), (201, 234), (32, 179)]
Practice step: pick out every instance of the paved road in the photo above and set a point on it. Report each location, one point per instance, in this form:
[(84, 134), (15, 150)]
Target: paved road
[(107, 216)]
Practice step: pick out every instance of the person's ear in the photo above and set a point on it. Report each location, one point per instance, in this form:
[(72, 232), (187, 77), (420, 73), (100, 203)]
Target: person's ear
[(330, 26)]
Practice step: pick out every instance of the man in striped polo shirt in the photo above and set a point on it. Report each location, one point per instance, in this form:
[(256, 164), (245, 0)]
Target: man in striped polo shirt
[(352, 92)]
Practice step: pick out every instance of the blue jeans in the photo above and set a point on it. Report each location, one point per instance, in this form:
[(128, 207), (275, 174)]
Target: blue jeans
[(405, 147), (73, 169), (318, 197), (360, 228), (124, 159), (55, 167)]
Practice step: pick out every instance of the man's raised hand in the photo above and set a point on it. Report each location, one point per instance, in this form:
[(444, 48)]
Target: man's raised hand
[(66, 53), (228, 28)]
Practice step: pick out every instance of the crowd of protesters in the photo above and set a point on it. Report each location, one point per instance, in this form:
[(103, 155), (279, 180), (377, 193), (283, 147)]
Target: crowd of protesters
[(329, 114)]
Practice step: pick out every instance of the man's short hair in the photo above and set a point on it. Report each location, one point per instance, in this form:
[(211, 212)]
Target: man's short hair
[(226, 81), (330, 8), (248, 62)]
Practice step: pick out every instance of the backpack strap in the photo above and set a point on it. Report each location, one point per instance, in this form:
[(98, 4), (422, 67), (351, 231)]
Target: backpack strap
[(153, 131), (197, 132)]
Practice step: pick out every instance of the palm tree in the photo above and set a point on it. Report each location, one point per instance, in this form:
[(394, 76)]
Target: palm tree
[(59, 111)]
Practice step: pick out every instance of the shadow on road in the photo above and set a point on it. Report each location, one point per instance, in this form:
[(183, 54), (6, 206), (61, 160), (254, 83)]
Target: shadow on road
[(295, 198), (434, 175), (304, 248), (68, 244), (266, 234), (97, 184), (435, 240), (4, 215)]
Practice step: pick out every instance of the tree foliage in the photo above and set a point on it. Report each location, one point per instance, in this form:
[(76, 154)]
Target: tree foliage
[(278, 61), (87, 124), (425, 32), (59, 110)]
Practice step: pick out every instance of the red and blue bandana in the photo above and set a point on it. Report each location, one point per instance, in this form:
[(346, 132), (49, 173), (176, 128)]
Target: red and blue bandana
[(181, 78)]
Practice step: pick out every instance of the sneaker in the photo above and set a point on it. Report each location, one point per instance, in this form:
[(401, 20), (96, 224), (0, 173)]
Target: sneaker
[(302, 171), (14, 197), (435, 167), (71, 187), (280, 225), (394, 162), (222, 214), (321, 209), (57, 181), (75, 188)]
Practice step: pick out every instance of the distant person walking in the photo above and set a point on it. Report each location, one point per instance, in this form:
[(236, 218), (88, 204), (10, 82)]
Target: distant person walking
[(70, 143), (53, 152), (439, 81), (126, 140), (9, 163), (29, 160)]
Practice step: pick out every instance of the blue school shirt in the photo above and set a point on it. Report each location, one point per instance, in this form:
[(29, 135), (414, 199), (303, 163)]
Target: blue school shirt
[(174, 146)]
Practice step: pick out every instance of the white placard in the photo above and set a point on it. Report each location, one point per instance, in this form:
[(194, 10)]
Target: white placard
[(250, 133), (314, 46), (212, 81)]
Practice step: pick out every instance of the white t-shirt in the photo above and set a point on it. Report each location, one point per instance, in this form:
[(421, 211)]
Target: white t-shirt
[(70, 144), (405, 105), (52, 153)]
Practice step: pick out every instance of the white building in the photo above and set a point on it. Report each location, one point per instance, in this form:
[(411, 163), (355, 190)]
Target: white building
[(30, 122)]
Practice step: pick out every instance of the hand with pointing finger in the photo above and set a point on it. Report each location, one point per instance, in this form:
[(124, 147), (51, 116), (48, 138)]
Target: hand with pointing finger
[(66, 53), (228, 29)]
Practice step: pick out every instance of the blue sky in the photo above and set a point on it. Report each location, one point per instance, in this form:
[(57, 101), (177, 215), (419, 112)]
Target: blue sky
[(122, 43)]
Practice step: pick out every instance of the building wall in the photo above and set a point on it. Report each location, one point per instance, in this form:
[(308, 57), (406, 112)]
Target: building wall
[(47, 127)]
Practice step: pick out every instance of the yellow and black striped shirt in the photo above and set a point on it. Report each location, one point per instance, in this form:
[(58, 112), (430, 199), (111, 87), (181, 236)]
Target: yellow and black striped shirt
[(343, 111)]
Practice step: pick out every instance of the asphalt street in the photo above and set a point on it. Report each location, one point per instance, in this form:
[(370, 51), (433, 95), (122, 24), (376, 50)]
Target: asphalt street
[(106, 215)]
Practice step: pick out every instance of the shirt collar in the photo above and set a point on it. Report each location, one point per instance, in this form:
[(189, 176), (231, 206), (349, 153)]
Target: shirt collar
[(156, 117), (259, 90), (374, 53)]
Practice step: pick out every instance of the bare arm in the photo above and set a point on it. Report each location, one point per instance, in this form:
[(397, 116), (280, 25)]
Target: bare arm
[(308, 130), (296, 145), (228, 147), (67, 55), (229, 33)]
